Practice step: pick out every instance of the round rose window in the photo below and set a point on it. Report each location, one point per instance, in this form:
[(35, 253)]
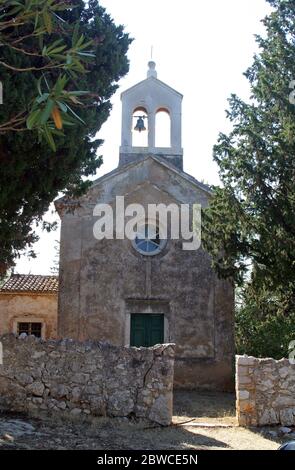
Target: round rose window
[(148, 241)]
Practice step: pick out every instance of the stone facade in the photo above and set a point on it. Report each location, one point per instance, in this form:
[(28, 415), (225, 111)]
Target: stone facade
[(16, 307), (265, 391), (88, 378), (103, 282)]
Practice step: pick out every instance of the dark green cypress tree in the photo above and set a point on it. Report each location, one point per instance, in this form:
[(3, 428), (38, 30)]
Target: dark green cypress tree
[(250, 226)]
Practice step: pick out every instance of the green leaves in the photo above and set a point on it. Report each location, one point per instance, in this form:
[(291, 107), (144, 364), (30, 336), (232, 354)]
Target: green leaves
[(69, 58), (67, 53), (47, 19), (54, 49), (48, 137), (49, 110), (33, 118), (265, 326)]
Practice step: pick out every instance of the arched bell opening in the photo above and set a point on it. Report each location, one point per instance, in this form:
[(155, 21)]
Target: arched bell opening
[(163, 128), (140, 127)]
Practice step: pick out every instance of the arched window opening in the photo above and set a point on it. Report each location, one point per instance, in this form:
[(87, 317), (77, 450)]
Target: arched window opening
[(140, 127), (163, 128)]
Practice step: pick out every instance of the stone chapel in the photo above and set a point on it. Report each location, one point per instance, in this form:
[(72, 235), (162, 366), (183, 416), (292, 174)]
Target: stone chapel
[(148, 290)]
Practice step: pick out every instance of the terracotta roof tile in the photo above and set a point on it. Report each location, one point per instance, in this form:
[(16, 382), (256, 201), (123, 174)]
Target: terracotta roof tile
[(30, 283)]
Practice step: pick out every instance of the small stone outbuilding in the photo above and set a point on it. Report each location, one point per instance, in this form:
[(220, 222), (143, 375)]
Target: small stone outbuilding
[(28, 304)]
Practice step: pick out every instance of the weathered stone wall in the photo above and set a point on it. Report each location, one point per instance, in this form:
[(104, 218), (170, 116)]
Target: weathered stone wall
[(28, 307), (265, 391), (89, 378)]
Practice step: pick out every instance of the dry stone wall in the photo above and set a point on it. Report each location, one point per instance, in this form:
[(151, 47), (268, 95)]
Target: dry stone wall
[(265, 391), (88, 378)]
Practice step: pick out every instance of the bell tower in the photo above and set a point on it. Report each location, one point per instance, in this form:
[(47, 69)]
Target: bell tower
[(141, 105)]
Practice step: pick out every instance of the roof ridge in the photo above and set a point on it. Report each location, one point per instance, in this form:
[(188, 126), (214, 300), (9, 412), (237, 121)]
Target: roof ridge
[(37, 283), (32, 274), (120, 169)]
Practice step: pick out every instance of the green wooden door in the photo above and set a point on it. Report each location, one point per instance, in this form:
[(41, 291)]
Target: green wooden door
[(146, 329)]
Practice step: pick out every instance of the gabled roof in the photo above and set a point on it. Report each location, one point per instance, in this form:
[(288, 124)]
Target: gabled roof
[(121, 169), (162, 161), (30, 283), (154, 81)]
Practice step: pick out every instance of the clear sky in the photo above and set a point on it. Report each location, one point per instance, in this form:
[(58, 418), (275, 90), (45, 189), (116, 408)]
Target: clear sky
[(201, 48)]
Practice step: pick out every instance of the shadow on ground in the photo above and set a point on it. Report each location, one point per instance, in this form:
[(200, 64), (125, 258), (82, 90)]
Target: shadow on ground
[(20, 432), (204, 406), (61, 432)]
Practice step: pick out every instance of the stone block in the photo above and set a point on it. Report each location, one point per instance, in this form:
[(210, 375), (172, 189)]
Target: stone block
[(287, 416), (36, 389), (24, 379), (243, 394), (268, 417), (283, 401), (243, 380), (245, 360)]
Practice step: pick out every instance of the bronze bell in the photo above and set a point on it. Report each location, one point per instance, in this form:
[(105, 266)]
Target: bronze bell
[(140, 124)]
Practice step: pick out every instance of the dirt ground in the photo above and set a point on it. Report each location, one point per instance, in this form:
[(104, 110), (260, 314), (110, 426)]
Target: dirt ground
[(201, 421), (209, 407)]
